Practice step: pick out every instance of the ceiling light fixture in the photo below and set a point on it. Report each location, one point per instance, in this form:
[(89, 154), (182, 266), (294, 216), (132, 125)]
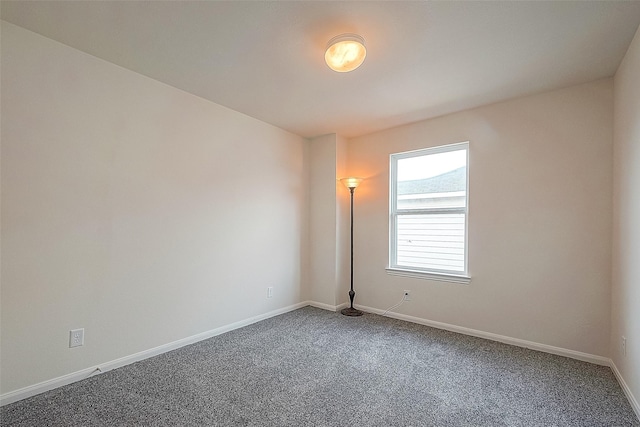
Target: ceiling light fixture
[(345, 52)]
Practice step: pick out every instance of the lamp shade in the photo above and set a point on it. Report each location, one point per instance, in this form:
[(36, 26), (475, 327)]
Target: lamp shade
[(351, 182), (345, 52)]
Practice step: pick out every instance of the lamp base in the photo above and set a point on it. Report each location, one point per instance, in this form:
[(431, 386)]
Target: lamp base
[(351, 312)]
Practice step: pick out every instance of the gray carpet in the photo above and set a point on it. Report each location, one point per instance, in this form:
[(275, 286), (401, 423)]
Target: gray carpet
[(311, 367)]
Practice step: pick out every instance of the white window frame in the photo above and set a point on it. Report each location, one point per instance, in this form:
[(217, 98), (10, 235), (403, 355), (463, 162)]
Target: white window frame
[(394, 212)]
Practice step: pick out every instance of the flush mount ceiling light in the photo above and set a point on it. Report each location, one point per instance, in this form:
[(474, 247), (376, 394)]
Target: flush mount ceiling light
[(345, 52)]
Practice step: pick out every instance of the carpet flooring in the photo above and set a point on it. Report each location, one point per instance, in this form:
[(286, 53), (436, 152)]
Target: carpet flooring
[(312, 367)]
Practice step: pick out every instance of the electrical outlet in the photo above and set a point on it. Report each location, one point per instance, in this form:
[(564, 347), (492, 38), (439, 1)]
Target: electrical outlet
[(407, 295), (76, 337), (624, 346), (270, 292)]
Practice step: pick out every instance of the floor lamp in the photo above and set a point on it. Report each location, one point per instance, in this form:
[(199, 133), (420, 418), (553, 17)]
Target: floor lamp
[(351, 184)]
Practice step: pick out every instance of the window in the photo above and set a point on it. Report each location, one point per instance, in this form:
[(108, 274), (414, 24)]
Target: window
[(428, 213)]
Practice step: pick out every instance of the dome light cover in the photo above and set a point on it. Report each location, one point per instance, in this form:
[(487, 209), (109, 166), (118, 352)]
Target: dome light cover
[(345, 52)]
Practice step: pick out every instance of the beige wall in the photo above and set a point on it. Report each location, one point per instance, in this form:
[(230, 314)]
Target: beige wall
[(343, 228), (329, 221), (626, 221), (322, 219), (129, 209), (539, 225)]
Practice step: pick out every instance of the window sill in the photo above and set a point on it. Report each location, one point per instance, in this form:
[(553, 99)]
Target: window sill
[(442, 277)]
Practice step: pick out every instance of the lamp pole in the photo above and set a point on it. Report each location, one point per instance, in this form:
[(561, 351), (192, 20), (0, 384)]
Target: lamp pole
[(351, 184)]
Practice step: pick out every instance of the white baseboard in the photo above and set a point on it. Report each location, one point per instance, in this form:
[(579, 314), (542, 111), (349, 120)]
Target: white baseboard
[(586, 357), (32, 390), (322, 306), (627, 391), (35, 389), (327, 306), (44, 386)]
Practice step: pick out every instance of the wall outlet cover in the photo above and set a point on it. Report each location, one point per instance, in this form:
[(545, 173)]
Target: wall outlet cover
[(76, 338)]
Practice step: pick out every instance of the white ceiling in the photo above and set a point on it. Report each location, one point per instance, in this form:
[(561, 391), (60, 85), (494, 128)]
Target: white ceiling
[(424, 59)]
